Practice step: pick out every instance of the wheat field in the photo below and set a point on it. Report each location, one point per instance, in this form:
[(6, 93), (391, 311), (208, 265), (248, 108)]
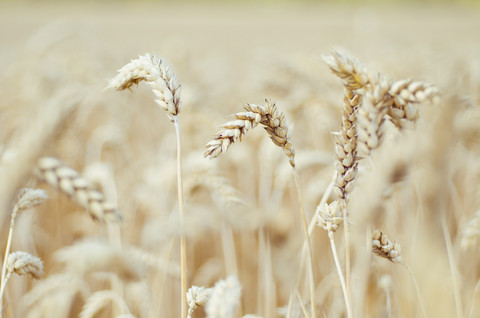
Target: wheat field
[(239, 160)]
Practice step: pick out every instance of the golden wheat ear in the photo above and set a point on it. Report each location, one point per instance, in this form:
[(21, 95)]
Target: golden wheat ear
[(158, 75), (67, 180), (269, 116)]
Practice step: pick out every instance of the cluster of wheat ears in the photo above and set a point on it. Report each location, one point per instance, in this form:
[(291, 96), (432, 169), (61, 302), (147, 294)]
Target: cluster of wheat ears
[(375, 108)]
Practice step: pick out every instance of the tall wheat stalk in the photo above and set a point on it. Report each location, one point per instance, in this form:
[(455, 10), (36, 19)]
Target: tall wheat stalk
[(163, 82), (274, 122)]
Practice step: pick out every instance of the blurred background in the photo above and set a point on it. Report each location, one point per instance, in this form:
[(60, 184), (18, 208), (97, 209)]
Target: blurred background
[(56, 58)]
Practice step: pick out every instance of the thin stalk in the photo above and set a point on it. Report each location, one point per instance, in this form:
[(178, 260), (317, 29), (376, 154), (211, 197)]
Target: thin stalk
[(313, 221), (183, 257), (307, 240), (417, 290), (5, 257), (2, 291), (453, 268), (340, 274), (346, 232)]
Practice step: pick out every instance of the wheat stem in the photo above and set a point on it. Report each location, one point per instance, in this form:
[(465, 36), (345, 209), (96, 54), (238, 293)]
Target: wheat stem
[(453, 268), (307, 240), (183, 252), (417, 290), (340, 274), (5, 257)]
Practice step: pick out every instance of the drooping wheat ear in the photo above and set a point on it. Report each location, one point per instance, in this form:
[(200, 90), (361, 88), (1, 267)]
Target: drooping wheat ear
[(99, 299), (67, 180), (383, 247), (272, 119), (197, 297), (224, 298), (471, 233), (276, 126), (405, 94), (158, 75), (29, 198), (23, 263)]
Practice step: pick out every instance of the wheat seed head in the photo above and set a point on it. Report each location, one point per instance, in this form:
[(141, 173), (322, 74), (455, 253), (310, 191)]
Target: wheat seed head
[(224, 298), (158, 75), (29, 198), (385, 248), (67, 180), (23, 263), (269, 116)]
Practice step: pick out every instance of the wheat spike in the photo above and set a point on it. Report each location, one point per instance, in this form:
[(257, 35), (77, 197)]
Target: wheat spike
[(23, 263), (346, 162), (471, 233), (158, 75), (351, 71), (383, 247), (330, 216), (371, 119), (67, 180), (197, 296), (29, 198), (224, 298), (272, 119)]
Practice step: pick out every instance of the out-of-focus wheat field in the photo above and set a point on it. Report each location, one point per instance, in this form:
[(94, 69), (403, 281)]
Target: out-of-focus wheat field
[(241, 209)]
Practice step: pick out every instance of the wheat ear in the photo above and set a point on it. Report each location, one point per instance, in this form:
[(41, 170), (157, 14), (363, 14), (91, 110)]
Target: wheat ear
[(27, 199), (197, 297), (21, 263), (67, 180), (158, 75), (163, 82), (224, 298), (272, 119)]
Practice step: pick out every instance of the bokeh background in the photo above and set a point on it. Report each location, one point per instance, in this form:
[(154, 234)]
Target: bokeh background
[(56, 59)]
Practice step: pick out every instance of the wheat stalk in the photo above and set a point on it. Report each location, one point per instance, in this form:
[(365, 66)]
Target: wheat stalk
[(274, 122), (67, 180), (163, 82)]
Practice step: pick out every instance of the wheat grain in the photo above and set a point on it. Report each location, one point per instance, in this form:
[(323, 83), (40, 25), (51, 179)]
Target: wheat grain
[(158, 75), (67, 180)]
